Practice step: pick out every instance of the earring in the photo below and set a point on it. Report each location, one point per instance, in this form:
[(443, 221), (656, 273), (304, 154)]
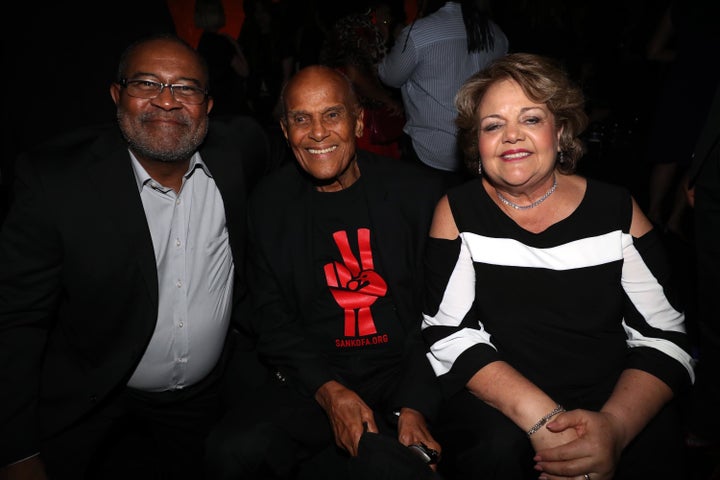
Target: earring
[(479, 168), (561, 157)]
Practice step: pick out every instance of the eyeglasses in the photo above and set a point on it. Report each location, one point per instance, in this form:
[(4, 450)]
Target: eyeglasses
[(149, 89)]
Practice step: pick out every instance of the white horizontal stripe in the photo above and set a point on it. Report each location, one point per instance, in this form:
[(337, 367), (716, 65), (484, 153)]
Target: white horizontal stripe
[(443, 353), (586, 252), (636, 339)]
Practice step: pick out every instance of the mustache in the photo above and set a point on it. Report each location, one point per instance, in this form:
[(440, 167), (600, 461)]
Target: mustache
[(165, 116)]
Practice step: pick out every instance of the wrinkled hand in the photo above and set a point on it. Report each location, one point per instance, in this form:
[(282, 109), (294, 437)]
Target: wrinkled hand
[(348, 414), (595, 450), (30, 469), (413, 429)]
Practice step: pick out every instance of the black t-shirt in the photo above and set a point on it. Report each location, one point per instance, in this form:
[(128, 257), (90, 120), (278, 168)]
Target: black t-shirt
[(353, 319)]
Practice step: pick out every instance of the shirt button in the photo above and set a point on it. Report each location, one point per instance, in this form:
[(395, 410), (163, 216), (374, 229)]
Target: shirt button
[(181, 324), (179, 284), (177, 242), (177, 202)]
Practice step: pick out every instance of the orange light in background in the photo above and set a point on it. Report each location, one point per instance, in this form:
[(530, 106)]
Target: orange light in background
[(183, 13)]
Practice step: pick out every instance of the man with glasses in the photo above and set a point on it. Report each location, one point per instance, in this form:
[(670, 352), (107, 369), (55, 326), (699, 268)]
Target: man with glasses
[(183, 93), (122, 259)]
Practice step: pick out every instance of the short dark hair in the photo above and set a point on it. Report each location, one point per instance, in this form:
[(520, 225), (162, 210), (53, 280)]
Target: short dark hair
[(544, 81), (127, 53)]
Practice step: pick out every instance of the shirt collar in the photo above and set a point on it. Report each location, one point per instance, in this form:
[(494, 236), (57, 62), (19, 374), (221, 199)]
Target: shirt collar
[(142, 177)]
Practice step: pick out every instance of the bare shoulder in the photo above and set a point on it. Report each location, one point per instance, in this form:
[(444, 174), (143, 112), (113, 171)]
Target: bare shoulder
[(640, 224), (443, 224)]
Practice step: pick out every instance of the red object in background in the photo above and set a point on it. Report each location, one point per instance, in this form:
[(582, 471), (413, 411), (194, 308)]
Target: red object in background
[(410, 10), (183, 12)]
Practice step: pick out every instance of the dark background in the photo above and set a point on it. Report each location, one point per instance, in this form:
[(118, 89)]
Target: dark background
[(59, 59)]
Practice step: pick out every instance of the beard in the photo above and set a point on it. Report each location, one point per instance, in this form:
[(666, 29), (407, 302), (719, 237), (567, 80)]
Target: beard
[(172, 144)]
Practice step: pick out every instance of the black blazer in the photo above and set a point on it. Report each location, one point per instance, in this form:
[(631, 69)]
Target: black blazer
[(401, 199), (78, 283)]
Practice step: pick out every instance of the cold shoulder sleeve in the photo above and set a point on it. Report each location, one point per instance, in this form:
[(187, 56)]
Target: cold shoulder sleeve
[(458, 344)]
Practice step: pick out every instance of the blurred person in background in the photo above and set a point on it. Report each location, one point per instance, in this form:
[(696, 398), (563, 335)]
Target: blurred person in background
[(428, 62)]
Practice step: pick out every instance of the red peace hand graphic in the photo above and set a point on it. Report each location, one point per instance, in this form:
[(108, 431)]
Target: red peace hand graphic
[(355, 286)]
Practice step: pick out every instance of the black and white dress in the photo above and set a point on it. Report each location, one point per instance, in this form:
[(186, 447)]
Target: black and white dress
[(570, 308)]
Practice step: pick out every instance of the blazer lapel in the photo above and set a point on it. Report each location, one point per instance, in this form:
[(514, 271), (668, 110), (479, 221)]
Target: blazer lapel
[(227, 172), (384, 218), (117, 198), (298, 226)]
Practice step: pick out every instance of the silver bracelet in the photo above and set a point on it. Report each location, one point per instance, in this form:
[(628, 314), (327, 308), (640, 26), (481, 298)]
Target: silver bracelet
[(545, 419)]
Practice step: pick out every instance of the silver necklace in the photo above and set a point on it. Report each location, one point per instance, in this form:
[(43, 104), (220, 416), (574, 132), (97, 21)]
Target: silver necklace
[(533, 204)]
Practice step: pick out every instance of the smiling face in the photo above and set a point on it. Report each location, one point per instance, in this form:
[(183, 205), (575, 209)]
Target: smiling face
[(322, 122), (517, 139), (162, 129)]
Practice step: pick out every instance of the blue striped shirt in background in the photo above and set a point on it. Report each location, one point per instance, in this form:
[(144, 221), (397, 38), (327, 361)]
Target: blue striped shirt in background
[(429, 62)]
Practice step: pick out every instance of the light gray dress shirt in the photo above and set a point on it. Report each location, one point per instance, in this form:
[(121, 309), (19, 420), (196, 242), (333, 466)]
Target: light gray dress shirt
[(195, 279)]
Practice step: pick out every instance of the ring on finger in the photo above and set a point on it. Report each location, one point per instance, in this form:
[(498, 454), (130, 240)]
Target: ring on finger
[(586, 476)]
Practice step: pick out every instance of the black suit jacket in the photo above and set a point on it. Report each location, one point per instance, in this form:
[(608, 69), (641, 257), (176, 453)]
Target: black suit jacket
[(78, 282), (401, 198)]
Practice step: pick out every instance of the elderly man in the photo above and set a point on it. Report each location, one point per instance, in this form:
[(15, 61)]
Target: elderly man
[(336, 244)]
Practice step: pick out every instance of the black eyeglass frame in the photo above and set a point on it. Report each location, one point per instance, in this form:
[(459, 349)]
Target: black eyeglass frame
[(124, 82)]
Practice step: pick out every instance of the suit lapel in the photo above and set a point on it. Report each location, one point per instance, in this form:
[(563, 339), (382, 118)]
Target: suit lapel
[(301, 252), (229, 178), (117, 198), (384, 218)]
